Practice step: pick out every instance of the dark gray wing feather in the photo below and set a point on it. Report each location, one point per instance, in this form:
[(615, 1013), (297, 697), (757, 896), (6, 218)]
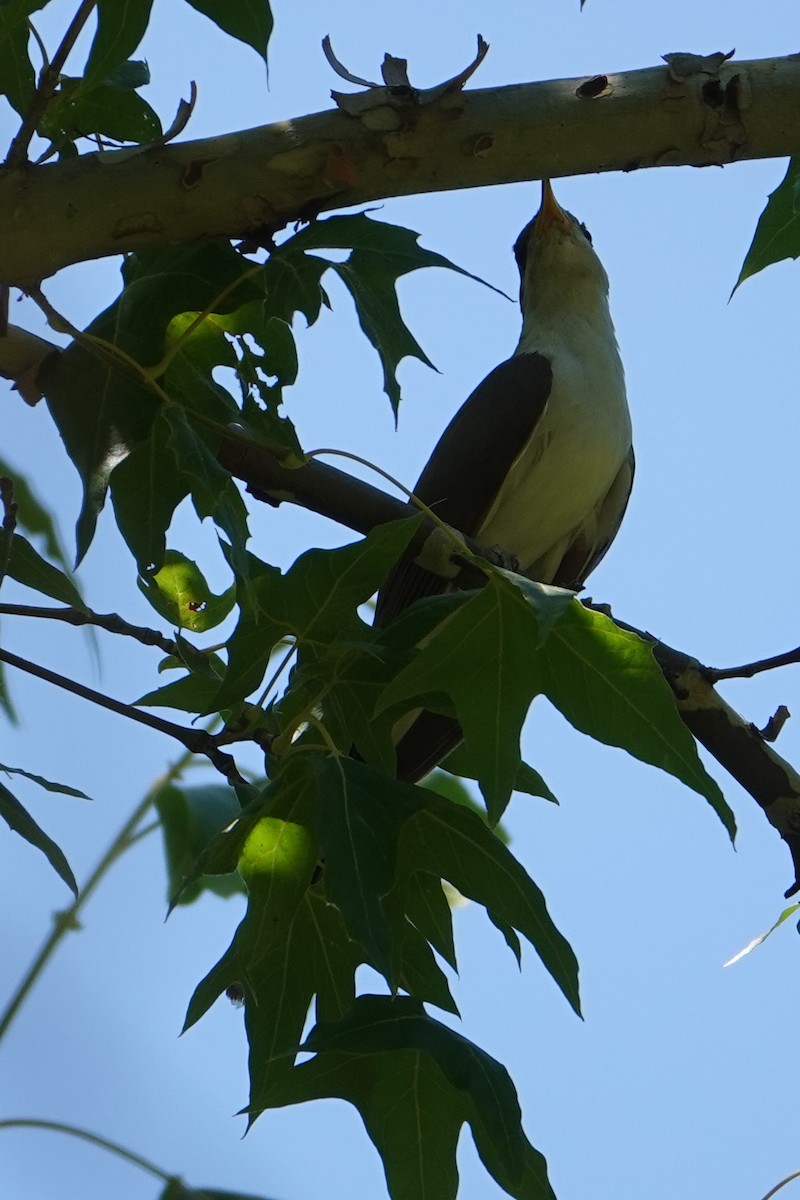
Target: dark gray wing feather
[(469, 464)]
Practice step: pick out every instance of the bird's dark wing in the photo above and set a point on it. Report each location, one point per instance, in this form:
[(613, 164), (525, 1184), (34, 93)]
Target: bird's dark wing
[(433, 735), (469, 464)]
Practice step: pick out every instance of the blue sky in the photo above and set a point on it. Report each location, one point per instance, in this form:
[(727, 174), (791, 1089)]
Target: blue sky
[(679, 1080)]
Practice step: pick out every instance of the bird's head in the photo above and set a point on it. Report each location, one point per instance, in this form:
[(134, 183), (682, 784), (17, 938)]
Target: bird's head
[(557, 264)]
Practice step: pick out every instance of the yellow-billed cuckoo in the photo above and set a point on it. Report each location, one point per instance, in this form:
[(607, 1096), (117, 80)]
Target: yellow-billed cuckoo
[(539, 459)]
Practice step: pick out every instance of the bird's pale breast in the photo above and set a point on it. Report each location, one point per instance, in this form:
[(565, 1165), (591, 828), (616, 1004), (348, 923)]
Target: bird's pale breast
[(572, 458)]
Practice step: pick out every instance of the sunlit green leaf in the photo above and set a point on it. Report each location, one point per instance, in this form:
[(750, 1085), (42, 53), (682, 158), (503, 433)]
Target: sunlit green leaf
[(180, 594)]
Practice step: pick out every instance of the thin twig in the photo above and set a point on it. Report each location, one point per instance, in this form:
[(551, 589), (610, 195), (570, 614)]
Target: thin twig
[(196, 740), (112, 622), (86, 1136), (783, 1182), (48, 82), (748, 670), (67, 921)]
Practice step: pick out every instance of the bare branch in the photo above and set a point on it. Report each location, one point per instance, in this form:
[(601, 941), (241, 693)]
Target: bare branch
[(199, 741), (112, 622), (748, 670)]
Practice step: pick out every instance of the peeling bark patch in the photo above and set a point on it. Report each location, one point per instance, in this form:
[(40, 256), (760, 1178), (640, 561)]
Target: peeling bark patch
[(137, 223), (340, 170), (194, 172), (592, 89), (724, 133), (682, 65), (482, 146)]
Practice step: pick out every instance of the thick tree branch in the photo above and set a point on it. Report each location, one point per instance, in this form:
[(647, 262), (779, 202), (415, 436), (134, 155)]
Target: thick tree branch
[(734, 742), (230, 186)]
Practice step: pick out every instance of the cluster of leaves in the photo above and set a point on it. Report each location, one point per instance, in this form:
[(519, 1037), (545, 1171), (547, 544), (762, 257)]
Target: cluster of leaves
[(104, 102), (342, 864)]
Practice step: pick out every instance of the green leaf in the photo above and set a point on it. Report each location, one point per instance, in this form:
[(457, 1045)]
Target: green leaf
[(214, 494), (32, 516), (484, 657), (117, 406), (450, 842), (192, 693), (358, 824), (777, 234), (180, 594), (28, 567), (762, 937), (47, 784), (19, 819), (291, 945), (120, 29), (381, 254), (316, 602), (17, 77), (415, 1083), (528, 780), (190, 818), (414, 965), (427, 907), (146, 488), (607, 683), (250, 22), (106, 109)]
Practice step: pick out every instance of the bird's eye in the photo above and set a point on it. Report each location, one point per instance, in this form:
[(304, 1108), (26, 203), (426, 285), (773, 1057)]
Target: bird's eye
[(586, 233)]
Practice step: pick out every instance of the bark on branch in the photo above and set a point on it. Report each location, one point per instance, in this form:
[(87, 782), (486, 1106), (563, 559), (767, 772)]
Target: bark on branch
[(697, 112), (734, 742)]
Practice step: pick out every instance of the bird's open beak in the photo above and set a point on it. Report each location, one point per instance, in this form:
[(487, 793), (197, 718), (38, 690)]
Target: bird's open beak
[(550, 211)]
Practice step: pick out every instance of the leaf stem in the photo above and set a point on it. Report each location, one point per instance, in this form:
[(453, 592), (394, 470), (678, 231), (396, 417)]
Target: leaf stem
[(85, 1135), (783, 1182), (455, 537), (67, 920)]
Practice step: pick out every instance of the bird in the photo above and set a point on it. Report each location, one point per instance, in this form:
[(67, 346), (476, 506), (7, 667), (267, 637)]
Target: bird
[(539, 459)]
